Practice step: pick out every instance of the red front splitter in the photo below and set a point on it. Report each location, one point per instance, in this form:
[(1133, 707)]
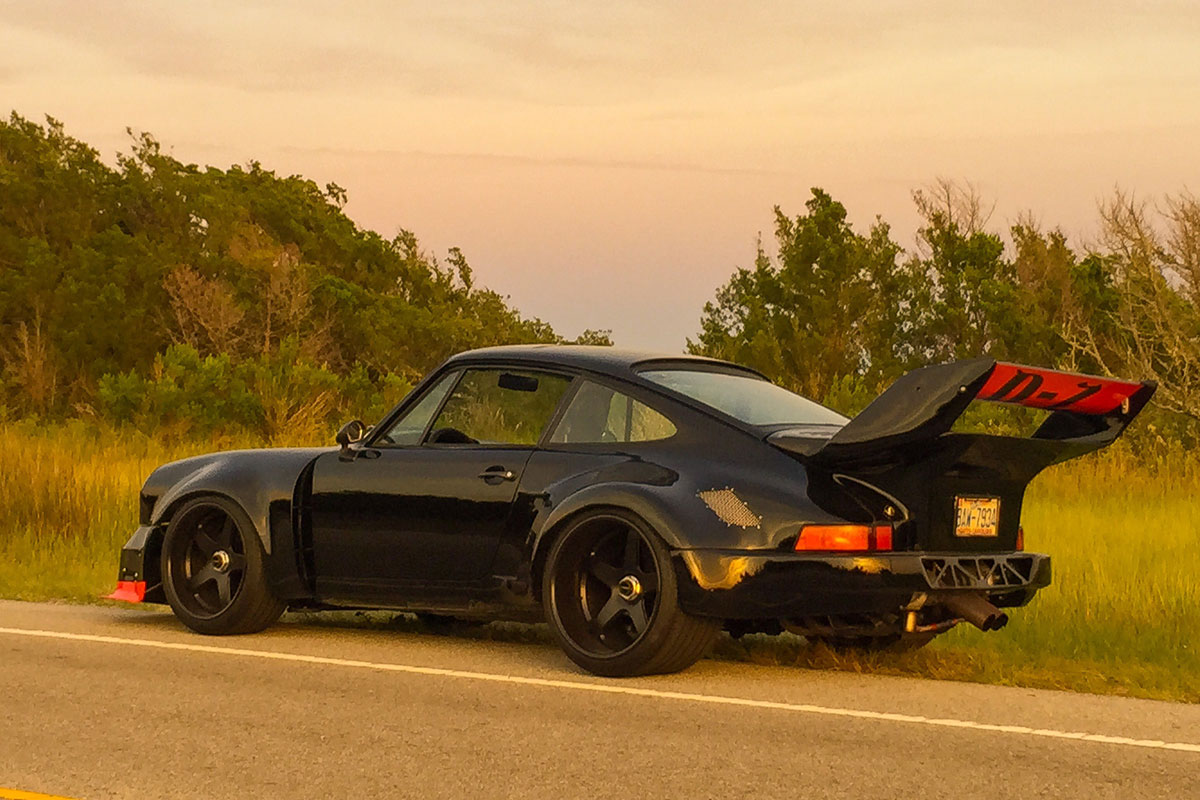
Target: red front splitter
[(129, 591)]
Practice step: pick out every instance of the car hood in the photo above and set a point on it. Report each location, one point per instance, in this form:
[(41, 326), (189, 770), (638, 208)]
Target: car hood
[(273, 458)]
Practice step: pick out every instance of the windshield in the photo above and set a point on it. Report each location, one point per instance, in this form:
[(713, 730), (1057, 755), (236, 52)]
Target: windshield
[(745, 397)]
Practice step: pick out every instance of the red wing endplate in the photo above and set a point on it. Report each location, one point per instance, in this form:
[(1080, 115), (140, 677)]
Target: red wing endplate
[(1057, 391)]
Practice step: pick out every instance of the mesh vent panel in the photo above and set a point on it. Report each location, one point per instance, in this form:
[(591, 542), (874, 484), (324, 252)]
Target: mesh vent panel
[(730, 508)]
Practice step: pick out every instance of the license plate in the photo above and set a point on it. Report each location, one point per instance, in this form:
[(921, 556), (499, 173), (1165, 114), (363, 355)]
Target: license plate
[(976, 516)]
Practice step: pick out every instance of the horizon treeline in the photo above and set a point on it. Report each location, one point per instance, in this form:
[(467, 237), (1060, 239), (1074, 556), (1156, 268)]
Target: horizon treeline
[(839, 314), (193, 301), (161, 293)]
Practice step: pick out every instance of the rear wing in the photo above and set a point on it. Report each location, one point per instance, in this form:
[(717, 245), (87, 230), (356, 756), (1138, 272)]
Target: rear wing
[(1062, 391), (1087, 413)]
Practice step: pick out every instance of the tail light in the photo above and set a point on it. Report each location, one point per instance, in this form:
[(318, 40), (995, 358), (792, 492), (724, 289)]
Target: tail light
[(883, 537), (845, 537), (1020, 537)]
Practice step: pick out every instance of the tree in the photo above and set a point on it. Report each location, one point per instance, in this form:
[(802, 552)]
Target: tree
[(600, 338), (1147, 321), (964, 302), (822, 309), (102, 268)]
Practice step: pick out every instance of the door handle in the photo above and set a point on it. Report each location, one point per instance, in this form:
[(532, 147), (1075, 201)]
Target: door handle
[(498, 473)]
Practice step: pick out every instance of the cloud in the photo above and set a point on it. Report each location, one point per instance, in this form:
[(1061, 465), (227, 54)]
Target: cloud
[(498, 158), (246, 46), (543, 52)]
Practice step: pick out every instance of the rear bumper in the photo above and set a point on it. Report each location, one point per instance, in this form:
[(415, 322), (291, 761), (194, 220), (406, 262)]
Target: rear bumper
[(733, 584)]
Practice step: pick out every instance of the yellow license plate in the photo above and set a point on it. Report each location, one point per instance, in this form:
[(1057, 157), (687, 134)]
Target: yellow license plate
[(976, 516)]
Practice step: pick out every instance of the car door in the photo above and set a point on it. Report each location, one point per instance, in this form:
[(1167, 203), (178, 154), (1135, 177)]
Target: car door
[(427, 501)]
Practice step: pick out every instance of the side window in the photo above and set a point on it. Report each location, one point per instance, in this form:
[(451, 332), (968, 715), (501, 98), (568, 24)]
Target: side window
[(410, 426), (599, 414), (495, 406)]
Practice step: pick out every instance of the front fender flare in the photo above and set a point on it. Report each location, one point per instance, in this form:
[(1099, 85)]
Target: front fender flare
[(254, 480)]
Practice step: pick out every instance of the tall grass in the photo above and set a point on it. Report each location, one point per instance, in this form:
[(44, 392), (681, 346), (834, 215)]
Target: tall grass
[(1123, 613), (69, 500), (1125, 541)]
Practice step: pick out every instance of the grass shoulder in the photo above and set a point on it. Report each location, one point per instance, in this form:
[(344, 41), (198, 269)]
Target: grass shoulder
[(1122, 616)]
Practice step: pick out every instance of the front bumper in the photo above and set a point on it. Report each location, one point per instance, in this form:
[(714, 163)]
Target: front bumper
[(138, 576), (741, 584)]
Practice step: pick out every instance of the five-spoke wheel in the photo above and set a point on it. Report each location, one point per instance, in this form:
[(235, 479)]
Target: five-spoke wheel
[(618, 588), (610, 597), (213, 572)]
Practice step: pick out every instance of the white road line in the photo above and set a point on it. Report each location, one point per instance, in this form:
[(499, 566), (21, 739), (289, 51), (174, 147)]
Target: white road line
[(612, 688)]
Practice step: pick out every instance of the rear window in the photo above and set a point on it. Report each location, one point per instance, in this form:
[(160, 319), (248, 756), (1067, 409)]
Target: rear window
[(744, 397)]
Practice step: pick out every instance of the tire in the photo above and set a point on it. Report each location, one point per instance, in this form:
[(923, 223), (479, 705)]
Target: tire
[(611, 599), (212, 570)]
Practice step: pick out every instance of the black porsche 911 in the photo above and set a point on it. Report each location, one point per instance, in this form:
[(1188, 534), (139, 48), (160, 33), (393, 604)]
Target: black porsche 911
[(637, 503)]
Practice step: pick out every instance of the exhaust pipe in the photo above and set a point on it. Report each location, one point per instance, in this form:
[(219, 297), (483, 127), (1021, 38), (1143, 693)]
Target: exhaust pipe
[(975, 609)]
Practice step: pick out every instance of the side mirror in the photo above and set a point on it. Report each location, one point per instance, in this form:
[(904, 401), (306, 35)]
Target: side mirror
[(353, 431)]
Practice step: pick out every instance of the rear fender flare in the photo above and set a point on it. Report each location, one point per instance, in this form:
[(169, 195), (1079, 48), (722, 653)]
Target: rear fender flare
[(662, 515)]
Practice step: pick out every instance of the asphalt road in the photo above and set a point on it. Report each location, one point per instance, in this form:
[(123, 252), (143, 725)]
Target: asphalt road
[(124, 703)]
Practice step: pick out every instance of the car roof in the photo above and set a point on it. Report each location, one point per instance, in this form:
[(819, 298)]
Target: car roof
[(601, 359)]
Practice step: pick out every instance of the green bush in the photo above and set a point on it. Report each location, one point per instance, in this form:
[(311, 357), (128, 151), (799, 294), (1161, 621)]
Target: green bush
[(282, 397)]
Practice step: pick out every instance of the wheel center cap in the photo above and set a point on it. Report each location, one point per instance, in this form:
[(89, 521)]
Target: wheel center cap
[(629, 588), (220, 561)]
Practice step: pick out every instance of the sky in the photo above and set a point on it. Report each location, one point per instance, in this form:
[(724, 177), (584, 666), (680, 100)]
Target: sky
[(608, 165)]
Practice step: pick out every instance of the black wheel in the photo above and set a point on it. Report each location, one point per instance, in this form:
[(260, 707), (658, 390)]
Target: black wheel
[(212, 570), (610, 597)]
